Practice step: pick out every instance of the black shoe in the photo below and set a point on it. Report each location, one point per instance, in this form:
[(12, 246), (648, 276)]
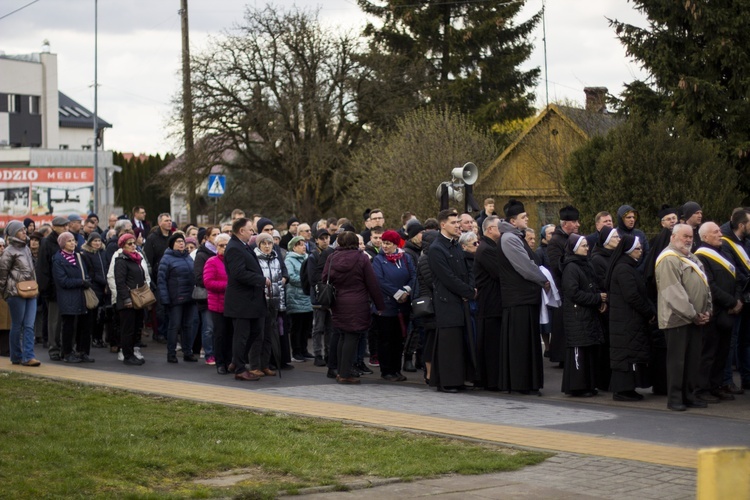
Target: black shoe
[(400, 377), (624, 396), (696, 404), (390, 377), (190, 358), (676, 407), (409, 366), (221, 370), (286, 366), (353, 372), (362, 368), (307, 355), (319, 361), (733, 389), (141, 344), (72, 358), (332, 373), (160, 340), (132, 361), (724, 396), (449, 390), (707, 397), (172, 358), (97, 343), (85, 358), (55, 357)]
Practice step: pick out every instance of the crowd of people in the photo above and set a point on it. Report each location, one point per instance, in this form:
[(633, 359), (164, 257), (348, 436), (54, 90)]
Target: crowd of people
[(467, 301)]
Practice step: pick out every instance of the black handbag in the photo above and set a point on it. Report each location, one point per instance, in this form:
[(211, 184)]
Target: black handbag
[(325, 293), (422, 306)]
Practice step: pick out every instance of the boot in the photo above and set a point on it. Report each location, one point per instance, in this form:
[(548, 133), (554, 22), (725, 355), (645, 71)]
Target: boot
[(408, 363)]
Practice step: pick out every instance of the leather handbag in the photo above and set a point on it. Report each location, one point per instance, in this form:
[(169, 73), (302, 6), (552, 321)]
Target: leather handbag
[(422, 306), (325, 293), (27, 289), (142, 297), (92, 301), (199, 293)]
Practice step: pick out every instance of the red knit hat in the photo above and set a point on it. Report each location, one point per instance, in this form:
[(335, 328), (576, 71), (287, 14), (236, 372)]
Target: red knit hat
[(391, 236), (124, 239)]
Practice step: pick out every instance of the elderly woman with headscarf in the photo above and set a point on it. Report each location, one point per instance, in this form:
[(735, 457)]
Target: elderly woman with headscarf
[(582, 303), (269, 343), (71, 278), (175, 285), (16, 266), (129, 273), (397, 277), (630, 314)]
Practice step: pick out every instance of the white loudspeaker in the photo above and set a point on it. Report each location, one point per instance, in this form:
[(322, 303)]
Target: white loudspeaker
[(467, 174)]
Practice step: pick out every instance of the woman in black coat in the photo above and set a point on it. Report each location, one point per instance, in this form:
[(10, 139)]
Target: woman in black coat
[(70, 279), (629, 317), (582, 304), (425, 280), (129, 275), (92, 253)]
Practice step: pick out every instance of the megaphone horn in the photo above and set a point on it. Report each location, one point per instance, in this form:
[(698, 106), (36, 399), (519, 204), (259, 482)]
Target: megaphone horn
[(467, 174)]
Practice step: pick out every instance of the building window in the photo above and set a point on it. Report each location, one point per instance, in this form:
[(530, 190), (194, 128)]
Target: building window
[(87, 147), (63, 146), (14, 103), (34, 104)]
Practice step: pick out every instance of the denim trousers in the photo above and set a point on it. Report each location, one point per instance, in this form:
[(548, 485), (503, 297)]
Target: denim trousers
[(180, 322), (22, 317), (207, 333)]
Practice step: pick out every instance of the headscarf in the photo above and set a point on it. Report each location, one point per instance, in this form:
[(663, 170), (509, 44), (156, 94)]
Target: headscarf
[(605, 235), (574, 241), (623, 248)]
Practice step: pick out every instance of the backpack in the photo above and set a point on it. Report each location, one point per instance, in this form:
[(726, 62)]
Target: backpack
[(304, 277)]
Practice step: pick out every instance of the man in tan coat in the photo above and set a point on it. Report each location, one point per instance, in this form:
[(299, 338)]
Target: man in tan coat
[(684, 309)]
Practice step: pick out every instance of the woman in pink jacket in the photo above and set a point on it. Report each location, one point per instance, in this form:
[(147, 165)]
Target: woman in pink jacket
[(215, 282)]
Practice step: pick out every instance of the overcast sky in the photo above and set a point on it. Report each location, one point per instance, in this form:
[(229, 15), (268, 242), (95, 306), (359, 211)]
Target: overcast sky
[(139, 51)]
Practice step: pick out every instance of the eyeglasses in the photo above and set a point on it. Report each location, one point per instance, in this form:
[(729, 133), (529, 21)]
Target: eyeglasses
[(128, 243), (476, 243)]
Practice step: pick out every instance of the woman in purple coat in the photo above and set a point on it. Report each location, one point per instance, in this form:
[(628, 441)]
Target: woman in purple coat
[(351, 273)]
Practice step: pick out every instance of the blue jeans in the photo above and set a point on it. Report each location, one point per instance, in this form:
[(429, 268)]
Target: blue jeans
[(181, 321), (22, 317), (207, 335)]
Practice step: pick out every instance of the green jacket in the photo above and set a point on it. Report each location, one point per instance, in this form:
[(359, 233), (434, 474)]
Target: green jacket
[(683, 290)]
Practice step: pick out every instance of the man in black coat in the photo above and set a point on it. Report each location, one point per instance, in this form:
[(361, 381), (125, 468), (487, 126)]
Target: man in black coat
[(453, 288), (46, 283), (487, 276), (156, 244), (322, 331), (569, 224), (717, 335), (244, 300), (140, 225), (522, 282)]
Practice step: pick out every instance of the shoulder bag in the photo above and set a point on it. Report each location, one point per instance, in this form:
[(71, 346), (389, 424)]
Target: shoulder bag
[(422, 306), (142, 296), (27, 289), (325, 293), (199, 293), (92, 301)]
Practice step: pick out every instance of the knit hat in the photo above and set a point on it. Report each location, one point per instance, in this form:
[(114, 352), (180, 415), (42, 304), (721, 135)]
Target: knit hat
[(173, 239), (569, 213), (261, 237), (13, 227), (413, 229), (263, 222), (276, 234), (192, 240), (64, 238), (125, 238), (513, 208), (293, 242), (391, 236), (201, 233), (291, 221), (60, 221), (27, 222), (93, 236), (689, 208)]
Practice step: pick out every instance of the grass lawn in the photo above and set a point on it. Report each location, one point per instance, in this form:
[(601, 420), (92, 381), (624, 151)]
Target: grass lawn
[(59, 439)]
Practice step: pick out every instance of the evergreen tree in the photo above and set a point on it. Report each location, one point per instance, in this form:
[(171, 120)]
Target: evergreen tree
[(138, 184), (470, 52), (697, 55)]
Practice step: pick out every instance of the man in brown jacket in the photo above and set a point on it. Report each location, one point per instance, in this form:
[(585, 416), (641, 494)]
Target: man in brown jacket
[(684, 305)]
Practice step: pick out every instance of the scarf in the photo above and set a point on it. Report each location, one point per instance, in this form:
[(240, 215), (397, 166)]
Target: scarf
[(394, 257), (211, 247), (134, 255), (70, 257)]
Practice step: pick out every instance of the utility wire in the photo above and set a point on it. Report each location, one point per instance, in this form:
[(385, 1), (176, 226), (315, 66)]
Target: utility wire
[(20, 8)]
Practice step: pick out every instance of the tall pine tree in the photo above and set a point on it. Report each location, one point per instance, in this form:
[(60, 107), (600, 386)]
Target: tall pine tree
[(697, 55), (470, 51)]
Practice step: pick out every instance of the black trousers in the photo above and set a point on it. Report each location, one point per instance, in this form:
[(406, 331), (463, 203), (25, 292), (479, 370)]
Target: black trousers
[(130, 319), (714, 354), (683, 362), (390, 343), (73, 331), (347, 350), (246, 330), (301, 328), (223, 333)]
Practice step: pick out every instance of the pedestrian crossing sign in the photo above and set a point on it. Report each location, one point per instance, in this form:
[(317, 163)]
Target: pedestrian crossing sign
[(216, 185)]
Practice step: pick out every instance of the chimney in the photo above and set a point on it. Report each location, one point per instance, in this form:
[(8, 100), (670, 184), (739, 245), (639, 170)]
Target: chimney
[(596, 99)]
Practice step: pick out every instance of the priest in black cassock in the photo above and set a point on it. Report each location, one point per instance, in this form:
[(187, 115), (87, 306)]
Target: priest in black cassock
[(453, 287), (521, 286), (490, 315)]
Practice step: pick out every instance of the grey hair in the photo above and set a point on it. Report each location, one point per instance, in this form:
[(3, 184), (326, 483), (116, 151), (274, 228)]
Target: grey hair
[(678, 227), (529, 230), (703, 230), (490, 220), (261, 237), (467, 237), (122, 225), (222, 238)]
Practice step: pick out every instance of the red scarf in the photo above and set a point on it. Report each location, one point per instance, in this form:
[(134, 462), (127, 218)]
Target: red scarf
[(394, 257), (135, 256)]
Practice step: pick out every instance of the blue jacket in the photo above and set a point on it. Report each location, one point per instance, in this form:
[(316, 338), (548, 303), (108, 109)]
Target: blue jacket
[(176, 279), (296, 300), (392, 277), (69, 284)]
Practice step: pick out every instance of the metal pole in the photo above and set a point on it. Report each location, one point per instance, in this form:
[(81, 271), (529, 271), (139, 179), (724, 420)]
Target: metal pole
[(216, 211), (544, 39), (187, 111), (96, 107)]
